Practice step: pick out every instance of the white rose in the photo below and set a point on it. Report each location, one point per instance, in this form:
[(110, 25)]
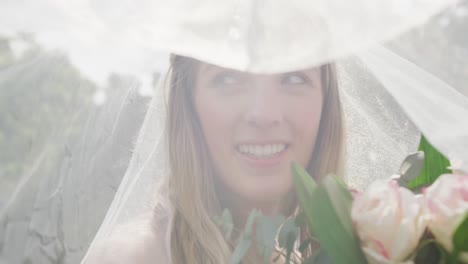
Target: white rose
[(388, 221), (446, 202)]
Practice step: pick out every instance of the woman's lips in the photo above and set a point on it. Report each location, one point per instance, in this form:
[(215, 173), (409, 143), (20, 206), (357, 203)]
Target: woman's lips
[(262, 155)]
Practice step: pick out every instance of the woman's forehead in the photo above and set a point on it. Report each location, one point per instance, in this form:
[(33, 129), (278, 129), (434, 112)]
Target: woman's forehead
[(211, 68)]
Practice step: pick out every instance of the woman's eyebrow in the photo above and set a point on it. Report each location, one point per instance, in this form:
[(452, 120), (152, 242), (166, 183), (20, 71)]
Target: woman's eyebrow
[(314, 73), (210, 68), (206, 67), (310, 73)]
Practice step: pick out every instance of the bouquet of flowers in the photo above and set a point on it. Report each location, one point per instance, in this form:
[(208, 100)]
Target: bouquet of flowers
[(393, 221), (388, 223)]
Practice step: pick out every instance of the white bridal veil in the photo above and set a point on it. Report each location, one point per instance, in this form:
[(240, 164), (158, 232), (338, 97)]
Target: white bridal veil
[(402, 71)]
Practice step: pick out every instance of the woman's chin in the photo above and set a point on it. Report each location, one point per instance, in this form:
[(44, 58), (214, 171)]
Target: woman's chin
[(266, 195), (256, 191)]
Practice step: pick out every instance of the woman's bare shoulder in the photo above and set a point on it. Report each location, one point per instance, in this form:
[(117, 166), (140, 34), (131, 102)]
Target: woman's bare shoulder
[(140, 241)]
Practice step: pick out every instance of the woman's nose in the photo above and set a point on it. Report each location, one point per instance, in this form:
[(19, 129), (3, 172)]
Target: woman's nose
[(264, 109)]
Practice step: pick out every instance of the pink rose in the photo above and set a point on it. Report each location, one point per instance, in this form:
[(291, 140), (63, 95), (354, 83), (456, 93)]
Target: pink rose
[(446, 203), (388, 221)]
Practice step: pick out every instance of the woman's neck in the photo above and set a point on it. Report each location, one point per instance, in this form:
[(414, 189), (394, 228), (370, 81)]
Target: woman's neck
[(241, 208)]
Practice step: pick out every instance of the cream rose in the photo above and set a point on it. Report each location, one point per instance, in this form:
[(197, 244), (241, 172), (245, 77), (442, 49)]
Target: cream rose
[(446, 203), (388, 221)]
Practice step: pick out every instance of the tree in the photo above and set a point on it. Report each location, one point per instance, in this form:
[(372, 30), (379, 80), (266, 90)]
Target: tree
[(40, 93)]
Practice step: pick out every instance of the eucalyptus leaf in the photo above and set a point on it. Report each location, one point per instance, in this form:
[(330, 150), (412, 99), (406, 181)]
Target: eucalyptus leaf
[(226, 223), (254, 214), (460, 236), (411, 167), (435, 165), (245, 240), (241, 249), (289, 231), (305, 244), (266, 231), (287, 237)]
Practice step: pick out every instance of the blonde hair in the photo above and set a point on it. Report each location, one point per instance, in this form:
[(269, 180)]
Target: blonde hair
[(194, 238)]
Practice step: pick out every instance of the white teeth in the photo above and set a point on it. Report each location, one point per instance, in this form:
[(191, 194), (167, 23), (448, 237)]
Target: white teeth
[(261, 150)]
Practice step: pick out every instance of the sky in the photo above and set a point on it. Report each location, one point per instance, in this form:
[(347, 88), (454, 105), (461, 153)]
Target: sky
[(89, 32)]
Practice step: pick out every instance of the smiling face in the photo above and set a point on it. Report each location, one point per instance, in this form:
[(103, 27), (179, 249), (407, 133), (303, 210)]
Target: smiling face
[(256, 125)]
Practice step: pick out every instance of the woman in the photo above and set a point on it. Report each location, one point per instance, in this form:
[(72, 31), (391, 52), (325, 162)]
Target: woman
[(232, 138), (254, 36), (232, 134)]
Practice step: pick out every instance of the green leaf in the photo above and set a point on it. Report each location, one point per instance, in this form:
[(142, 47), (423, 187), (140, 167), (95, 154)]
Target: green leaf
[(245, 240), (341, 200), (327, 208), (460, 236), (435, 165), (303, 180), (228, 223), (333, 226), (305, 244), (429, 251), (266, 230), (225, 223), (287, 237), (254, 214), (288, 230), (300, 220), (320, 258), (305, 186), (241, 249)]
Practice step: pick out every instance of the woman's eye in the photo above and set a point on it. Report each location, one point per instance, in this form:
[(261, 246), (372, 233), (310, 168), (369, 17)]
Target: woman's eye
[(294, 78), (226, 79)]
